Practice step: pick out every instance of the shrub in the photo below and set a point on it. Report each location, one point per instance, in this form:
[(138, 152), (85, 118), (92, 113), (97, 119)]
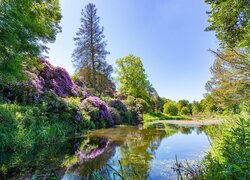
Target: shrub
[(120, 113), (116, 116), (185, 111), (57, 79), (170, 108), (117, 104), (40, 81), (98, 110)]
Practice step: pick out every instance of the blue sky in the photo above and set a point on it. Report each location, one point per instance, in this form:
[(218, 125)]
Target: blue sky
[(168, 35)]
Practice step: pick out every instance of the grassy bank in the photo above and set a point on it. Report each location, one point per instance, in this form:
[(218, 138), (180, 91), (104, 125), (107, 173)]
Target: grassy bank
[(152, 116), (23, 126)]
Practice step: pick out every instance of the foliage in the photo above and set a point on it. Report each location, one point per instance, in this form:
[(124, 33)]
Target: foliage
[(152, 116), (98, 111), (120, 113), (118, 105), (230, 84), (155, 99), (141, 105), (42, 80), (185, 111), (54, 120), (229, 155), (104, 85), (90, 45), (25, 27), (230, 20), (170, 108), (132, 78), (57, 79), (184, 104)]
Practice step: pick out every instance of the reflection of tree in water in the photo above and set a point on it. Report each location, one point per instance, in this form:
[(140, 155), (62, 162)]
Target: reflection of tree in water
[(138, 151)]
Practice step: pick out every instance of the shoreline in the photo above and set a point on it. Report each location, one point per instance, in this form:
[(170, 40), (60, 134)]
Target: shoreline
[(190, 122)]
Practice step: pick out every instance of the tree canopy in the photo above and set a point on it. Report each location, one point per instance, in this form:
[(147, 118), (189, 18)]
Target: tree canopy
[(132, 77), (25, 27), (230, 21), (230, 84)]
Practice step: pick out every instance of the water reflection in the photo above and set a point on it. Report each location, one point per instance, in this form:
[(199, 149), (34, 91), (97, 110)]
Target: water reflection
[(136, 152), (144, 152)]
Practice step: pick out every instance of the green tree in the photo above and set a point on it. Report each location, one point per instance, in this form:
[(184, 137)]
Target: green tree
[(197, 107), (230, 84), (132, 78), (230, 21), (90, 45), (25, 27), (170, 108), (155, 99)]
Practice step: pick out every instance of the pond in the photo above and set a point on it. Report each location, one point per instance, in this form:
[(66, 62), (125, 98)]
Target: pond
[(144, 152)]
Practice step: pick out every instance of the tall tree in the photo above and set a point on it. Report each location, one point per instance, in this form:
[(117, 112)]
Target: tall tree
[(90, 45), (25, 27), (132, 77)]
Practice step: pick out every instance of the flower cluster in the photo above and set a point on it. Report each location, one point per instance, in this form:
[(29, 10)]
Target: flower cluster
[(117, 104), (35, 82), (57, 79), (96, 102)]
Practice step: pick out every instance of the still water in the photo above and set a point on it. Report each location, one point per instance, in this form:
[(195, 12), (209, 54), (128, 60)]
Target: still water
[(138, 152), (144, 152)]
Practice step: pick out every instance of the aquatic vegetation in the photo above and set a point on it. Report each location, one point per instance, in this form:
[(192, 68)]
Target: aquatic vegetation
[(229, 154)]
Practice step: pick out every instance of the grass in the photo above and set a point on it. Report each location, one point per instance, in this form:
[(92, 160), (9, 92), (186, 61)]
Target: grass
[(152, 116)]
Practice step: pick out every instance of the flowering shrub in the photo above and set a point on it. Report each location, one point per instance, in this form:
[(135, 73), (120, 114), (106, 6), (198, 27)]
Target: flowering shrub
[(117, 104), (98, 110), (57, 79)]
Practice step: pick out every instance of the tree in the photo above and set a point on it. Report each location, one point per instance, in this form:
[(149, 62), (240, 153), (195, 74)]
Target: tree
[(155, 99), (25, 27), (230, 21), (170, 108), (132, 78), (90, 45), (230, 84)]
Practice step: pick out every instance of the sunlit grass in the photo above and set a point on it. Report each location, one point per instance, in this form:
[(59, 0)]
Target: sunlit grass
[(152, 116)]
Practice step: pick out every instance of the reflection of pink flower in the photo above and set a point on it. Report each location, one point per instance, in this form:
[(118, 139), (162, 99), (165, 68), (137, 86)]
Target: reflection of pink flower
[(95, 152)]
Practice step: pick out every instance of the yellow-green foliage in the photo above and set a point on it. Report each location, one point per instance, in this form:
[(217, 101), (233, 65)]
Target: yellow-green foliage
[(161, 116)]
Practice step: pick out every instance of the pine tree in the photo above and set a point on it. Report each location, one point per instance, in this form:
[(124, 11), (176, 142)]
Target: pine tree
[(90, 45)]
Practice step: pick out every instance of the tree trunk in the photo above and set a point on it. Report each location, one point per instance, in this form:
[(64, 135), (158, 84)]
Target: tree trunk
[(92, 53)]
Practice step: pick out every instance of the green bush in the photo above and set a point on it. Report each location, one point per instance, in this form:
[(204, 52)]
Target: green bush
[(170, 108), (185, 111)]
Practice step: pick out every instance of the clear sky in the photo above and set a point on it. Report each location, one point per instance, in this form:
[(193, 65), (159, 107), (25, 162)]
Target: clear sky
[(168, 35)]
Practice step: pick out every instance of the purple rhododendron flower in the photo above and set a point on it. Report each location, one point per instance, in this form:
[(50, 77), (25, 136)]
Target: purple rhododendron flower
[(118, 105), (97, 103)]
